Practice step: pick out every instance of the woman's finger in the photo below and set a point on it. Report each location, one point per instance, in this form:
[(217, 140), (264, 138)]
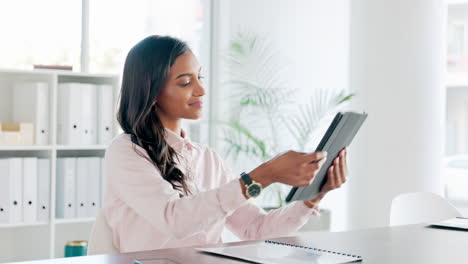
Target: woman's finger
[(314, 167), (331, 177), (336, 168), (346, 161), (343, 167), (313, 157)]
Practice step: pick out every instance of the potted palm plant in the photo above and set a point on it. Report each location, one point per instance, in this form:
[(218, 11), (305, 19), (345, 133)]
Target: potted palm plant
[(262, 112)]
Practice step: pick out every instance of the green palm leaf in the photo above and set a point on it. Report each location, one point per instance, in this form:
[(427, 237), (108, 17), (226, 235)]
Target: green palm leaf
[(322, 103)]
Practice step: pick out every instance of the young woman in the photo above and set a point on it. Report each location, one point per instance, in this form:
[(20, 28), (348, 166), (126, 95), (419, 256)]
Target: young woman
[(164, 190)]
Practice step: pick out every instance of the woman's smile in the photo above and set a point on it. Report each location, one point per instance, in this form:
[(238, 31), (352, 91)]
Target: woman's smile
[(197, 104)]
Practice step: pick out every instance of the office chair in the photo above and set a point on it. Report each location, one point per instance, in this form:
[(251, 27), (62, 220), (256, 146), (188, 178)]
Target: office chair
[(420, 207)]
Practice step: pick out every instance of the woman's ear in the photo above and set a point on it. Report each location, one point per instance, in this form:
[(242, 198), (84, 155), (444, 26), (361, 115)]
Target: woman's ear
[(155, 105)]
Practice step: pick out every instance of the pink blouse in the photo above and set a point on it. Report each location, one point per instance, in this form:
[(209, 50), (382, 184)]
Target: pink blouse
[(144, 212)]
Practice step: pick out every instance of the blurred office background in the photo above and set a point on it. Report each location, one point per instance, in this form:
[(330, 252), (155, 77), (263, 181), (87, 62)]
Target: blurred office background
[(276, 73)]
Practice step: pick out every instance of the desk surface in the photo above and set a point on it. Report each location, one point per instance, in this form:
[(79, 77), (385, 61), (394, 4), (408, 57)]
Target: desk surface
[(403, 244)]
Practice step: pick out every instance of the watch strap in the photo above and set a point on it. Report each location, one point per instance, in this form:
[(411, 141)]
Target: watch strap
[(246, 178)]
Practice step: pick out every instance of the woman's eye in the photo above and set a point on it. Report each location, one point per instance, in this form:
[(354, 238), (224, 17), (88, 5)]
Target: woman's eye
[(189, 82), (185, 84)]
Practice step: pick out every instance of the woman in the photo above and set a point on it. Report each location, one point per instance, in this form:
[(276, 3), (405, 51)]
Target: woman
[(164, 190)]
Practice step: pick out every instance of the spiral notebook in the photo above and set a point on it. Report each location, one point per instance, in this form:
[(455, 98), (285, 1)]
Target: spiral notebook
[(272, 252)]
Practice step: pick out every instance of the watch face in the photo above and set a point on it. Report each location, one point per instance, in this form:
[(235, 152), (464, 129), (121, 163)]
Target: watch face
[(254, 190)]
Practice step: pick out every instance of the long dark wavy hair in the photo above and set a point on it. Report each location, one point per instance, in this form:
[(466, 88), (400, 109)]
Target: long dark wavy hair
[(145, 72)]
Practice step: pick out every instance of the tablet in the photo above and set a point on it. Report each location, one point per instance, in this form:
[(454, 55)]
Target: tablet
[(339, 135)]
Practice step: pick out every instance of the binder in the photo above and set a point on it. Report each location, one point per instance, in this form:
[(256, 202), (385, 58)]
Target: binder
[(4, 191), (15, 174), (43, 186), (69, 114), (82, 186), (30, 190), (88, 109), (94, 186), (66, 181), (42, 114), (31, 104), (103, 181), (105, 114)]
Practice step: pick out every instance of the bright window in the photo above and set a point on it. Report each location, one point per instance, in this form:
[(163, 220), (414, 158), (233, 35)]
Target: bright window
[(117, 25), (49, 31), (40, 32)]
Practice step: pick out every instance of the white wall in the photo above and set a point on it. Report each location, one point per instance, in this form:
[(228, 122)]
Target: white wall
[(311, 35), (457, 121), (396, 65), (313, 39)]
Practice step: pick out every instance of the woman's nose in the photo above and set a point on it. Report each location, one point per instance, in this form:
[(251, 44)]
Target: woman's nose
[(199, 90)]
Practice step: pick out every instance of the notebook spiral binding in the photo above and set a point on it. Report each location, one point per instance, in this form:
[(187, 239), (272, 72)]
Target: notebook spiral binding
[(316, 249)]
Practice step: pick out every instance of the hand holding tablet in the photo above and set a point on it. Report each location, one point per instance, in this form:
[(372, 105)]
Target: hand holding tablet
[(338, 136)]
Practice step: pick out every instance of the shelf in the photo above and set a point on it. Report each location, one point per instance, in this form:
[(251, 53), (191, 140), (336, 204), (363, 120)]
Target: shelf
[(75, 220), (89, 147), (58, 72), (49, 147), (16, 239), (25, 148), (23, 225), (81, 151)]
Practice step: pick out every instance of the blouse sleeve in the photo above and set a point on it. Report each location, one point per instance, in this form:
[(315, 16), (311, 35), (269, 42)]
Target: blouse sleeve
[(250, 222)]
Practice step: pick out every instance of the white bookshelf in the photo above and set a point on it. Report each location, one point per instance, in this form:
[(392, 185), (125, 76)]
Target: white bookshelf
[(44, 240)]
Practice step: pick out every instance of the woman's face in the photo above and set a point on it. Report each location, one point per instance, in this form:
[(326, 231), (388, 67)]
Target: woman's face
[(182, 95)]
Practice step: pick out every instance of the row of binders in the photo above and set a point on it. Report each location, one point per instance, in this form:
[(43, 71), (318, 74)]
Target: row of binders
[(85, 113), (80, 183), (25, 187), (24, 190)]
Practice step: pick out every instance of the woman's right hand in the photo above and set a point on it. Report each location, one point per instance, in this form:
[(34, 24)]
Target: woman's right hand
[(292, 168)]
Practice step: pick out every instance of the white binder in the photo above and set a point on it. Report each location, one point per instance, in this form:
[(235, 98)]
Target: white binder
[(31, 104), (82, 186), (42, 115), (69, 114), (16, 190), (105, 114), (94, 187), (30, 190), (4, 191), (88, 114), (43, 186), (65, 200), (103, 181)]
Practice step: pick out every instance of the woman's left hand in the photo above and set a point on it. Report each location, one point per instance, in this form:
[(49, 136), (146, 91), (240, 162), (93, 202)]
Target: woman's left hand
[(337, 174)]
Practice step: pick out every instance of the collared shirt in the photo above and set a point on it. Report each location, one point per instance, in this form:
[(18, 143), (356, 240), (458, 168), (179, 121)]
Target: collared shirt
[(144, 212)]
